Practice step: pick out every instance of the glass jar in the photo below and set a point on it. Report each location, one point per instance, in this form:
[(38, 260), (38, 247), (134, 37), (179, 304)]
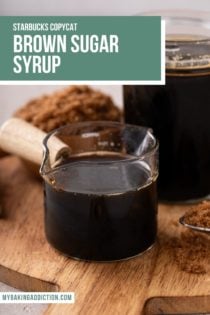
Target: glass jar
[(100, 190), (179, 111)]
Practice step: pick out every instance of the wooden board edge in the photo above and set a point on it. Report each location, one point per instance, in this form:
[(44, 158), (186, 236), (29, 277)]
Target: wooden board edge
[(177, 305)]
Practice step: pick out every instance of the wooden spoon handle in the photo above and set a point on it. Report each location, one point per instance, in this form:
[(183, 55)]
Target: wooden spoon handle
[(24, 140)]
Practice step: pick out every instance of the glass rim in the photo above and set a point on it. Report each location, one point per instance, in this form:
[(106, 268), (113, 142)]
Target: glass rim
[(150, 152), (187, 18)]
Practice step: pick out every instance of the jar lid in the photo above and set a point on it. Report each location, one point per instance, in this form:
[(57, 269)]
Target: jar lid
[(187, 39)]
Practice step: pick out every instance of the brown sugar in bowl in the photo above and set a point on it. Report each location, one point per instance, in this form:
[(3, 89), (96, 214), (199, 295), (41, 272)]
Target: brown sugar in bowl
[(73, 104)]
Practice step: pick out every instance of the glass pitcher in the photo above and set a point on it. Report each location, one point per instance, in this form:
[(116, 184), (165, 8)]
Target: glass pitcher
[(100, 190)]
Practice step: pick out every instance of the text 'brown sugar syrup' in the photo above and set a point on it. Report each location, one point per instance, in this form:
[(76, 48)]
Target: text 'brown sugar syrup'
[(97, 210), (178, 113)]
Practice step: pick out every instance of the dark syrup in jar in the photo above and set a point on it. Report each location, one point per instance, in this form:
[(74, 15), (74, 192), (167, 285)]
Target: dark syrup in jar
[(179, 115), (97, 210)]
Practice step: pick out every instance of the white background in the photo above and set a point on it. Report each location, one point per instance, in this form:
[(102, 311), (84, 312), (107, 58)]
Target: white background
[(95, 7), (13, 96)]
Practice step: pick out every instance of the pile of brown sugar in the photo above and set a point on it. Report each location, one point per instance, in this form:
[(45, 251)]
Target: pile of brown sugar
[(199, 215), (192, 252), (73, 104), (191, 249)]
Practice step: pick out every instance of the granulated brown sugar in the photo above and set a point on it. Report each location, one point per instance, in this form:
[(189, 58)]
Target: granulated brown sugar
[(192, 249), (192, 252), (199, 215), (73, 104)]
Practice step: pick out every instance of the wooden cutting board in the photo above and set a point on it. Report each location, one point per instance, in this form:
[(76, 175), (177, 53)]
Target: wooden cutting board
[(149, 284)]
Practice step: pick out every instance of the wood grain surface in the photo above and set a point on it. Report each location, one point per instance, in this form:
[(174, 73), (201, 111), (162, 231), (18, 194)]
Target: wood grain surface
[(151, 283)]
